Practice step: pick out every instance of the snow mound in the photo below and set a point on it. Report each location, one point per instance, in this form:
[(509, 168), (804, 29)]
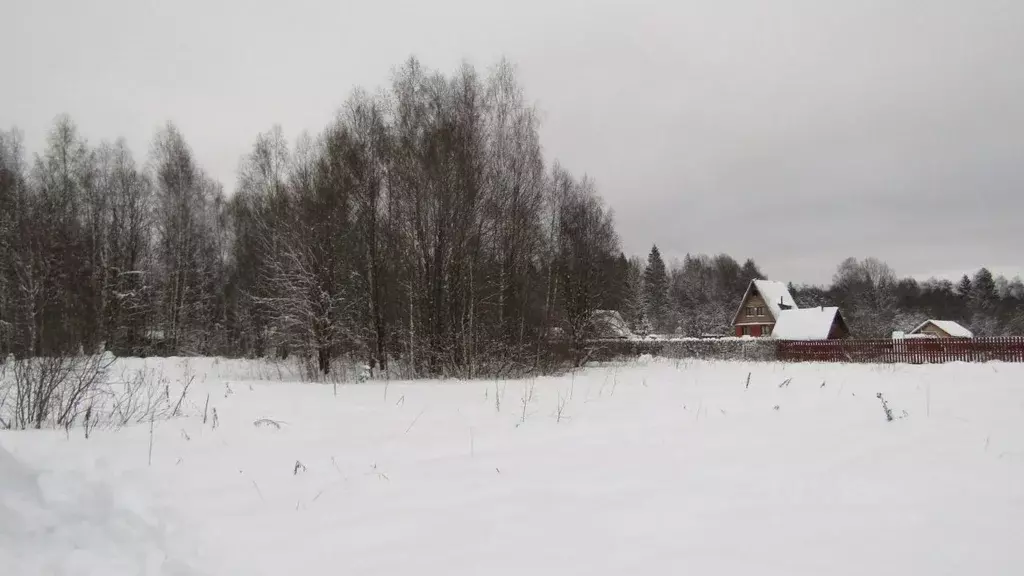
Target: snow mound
[(62, 525), (671, 466)]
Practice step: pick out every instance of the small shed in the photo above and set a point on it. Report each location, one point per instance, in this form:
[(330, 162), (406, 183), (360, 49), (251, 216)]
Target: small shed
[(822, 323), (942, 329)]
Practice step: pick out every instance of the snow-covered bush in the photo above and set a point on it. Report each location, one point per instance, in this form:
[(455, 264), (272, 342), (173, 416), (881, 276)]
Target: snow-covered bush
[(50, 390), (87, 390), (700, 348), (144, 395)]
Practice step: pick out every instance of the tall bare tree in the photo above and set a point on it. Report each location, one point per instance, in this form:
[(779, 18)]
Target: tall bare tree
[(121, 223), (419, 227), (188, 257)]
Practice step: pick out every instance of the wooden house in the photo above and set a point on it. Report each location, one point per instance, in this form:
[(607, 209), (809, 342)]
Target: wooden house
[(761, 306), (941, 329)]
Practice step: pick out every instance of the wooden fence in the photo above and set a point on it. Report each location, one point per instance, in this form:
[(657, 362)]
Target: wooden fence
[(911, 351)]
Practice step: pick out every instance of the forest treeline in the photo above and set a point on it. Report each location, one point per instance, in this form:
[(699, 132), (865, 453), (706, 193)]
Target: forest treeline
[(699, 296), (421, 224), (421, 227)]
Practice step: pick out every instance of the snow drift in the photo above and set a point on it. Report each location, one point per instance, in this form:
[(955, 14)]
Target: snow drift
[(655, 467), (63, 524)]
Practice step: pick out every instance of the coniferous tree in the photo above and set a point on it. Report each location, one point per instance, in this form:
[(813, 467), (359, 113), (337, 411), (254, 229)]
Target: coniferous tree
[(964, 287), (656, 290), (984, 304), (983, 293), (635, 309)]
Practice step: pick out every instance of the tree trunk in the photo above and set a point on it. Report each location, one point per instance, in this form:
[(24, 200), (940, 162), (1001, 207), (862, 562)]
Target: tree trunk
[(324, 360)]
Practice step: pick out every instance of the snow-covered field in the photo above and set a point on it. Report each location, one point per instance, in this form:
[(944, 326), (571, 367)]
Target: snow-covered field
[(656, 467)]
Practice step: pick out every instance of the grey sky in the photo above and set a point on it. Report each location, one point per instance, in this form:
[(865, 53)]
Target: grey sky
[(797, 132)]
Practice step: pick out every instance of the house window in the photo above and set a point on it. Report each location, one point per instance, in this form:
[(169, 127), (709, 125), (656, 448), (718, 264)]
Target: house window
[(746, 330), (750, 310), (766, 330), (760, 310)]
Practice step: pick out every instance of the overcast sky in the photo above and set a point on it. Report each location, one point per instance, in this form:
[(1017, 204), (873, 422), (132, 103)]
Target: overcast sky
[(796, 132)]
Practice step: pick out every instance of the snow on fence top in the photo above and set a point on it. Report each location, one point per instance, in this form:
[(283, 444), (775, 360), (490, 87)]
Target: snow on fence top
[(805, 323)]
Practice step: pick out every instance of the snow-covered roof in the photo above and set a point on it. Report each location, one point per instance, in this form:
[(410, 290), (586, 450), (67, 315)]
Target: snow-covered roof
[(775, 294), (948, 326), (805, 323), (899, 335), (609, 324)]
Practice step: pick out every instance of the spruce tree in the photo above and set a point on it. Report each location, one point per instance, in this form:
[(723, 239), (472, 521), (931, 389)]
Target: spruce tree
[(964, 287), (983, 291), (656, 290)]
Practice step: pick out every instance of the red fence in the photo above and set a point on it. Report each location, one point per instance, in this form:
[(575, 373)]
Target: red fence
[(912, 351)]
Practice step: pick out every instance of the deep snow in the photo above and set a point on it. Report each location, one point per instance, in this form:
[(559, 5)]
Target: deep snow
[(657, 467)]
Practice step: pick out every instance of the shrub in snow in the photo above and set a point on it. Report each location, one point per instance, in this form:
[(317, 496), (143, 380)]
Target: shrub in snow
[(526, 398), (267, 423), (142, 396), (761, 349), (560, 409), (888, 411), (50, 390), (885, 406)]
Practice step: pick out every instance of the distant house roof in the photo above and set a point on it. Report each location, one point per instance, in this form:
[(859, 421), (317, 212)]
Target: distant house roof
[(609, 324), (948, 326), (900, 335), (776, 296), (805, 323)]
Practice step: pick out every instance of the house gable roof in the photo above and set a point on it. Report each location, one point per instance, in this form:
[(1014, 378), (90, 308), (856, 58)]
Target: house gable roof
[(609, 324), (950, 327), (775, 294), (806, 323)]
